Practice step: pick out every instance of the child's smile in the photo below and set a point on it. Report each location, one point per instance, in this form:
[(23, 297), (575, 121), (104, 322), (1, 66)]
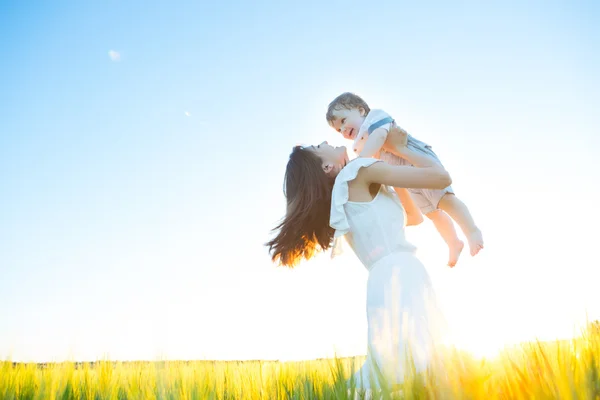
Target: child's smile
[(348, 122)]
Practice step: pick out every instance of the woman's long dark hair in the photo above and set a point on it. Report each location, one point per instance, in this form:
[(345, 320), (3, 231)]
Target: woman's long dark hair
[(305, 228)]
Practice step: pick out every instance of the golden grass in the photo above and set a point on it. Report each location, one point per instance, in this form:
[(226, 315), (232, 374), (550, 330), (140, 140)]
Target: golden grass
[(558, 370)]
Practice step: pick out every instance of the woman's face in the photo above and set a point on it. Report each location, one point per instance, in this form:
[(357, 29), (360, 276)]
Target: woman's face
[(334, 158)]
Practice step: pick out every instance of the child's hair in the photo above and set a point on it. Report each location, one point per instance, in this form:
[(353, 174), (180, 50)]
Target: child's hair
[(305, 229), (348, 101)]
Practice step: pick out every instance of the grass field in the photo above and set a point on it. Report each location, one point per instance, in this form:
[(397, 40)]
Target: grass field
[(538, 370)]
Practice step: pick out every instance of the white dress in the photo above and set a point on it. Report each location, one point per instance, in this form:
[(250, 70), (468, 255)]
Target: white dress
[(403, 318)]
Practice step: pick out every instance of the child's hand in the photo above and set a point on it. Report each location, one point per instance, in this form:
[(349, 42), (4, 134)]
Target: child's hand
[(397, 138)]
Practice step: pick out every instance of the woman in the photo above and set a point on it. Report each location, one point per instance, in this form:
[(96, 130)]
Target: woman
[(328, 198)]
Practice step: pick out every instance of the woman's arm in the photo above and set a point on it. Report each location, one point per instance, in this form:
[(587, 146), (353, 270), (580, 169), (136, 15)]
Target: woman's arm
[(426, 174), (397, 144)]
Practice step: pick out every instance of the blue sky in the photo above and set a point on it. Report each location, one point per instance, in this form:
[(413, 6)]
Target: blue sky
[(137, 190)]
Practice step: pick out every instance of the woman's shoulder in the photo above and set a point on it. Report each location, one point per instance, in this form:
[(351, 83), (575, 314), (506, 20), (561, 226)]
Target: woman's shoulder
[(353, 169), (340, 194), (353, 175)]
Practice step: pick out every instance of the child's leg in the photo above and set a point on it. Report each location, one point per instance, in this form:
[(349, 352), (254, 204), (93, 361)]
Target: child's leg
[(445, 227), (413, 213), (460, 213)]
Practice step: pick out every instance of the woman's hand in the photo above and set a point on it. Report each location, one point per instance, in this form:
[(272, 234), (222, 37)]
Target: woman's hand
[(397, 139)]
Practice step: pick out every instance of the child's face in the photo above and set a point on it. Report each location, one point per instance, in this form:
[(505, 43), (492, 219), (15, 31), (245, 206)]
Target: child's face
[(348, 121)]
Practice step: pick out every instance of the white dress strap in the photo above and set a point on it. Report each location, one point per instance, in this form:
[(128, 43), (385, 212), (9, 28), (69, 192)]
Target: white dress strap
[(338, 219)]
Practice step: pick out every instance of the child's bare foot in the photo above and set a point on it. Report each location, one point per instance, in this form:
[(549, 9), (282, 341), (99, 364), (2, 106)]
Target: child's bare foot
[(455, 249), (475, 241)]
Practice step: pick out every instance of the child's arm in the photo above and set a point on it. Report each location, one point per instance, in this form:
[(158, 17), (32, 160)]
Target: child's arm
[(374, 143), (413, 214)]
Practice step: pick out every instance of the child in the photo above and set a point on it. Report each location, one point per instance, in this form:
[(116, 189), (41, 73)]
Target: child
[(351, 116)]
